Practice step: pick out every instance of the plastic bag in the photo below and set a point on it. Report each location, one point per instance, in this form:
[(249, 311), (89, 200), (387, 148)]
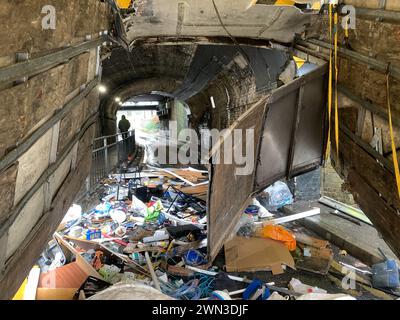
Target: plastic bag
[(299, 287), (281, 234), (154, 211), (262, 213), (279, 196), (138, 207), (245, 227)]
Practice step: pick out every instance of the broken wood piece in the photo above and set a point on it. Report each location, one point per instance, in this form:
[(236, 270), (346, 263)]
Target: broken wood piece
[(197, 190), (179, 271), (310, 241), (183, 179), (337, 267), (322, 253), (153, 274)]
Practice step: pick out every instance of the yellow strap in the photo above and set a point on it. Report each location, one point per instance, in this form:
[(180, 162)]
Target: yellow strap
[(328, 146), (346, 29), (394, 152), (336, 86)]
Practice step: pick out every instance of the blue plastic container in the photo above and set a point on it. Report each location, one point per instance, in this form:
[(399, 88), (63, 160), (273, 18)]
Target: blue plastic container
[(93, 234), (386, 275)]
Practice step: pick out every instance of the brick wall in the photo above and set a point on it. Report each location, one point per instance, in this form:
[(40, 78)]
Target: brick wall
[(333, 186), (321, 182)]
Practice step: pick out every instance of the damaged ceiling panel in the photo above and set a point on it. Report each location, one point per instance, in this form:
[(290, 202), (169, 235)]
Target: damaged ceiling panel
[(289, 135), (217, 18)]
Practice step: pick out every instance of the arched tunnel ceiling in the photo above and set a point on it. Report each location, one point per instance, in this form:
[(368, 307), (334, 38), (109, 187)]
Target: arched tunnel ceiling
[(185, 71), (188, 67), (199, 18)]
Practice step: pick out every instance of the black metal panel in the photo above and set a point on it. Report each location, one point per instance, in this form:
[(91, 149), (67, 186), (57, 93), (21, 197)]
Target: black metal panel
[(294, 132), (310, 132), (276, 140)]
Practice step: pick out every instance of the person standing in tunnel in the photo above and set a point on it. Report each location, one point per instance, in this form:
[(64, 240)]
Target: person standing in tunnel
[(124, 125)]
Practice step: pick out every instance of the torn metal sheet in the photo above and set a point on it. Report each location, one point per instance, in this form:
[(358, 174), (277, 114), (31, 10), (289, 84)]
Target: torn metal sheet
[(289, 139)]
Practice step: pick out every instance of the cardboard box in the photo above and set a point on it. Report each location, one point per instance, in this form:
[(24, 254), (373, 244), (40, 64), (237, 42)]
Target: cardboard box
[(257, 254)]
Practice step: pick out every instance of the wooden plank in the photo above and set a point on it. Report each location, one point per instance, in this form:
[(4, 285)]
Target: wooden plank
[(85, 266), (310, 241), (384, 217)]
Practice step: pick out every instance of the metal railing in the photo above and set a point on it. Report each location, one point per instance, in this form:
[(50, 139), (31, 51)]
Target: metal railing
[(108, 152)]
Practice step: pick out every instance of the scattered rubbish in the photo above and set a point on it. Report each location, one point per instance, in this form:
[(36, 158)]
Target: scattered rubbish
[(257, 290), (159, 235), (92, 286), (32, 284), (76, 232), (299, 287), (148, 239)]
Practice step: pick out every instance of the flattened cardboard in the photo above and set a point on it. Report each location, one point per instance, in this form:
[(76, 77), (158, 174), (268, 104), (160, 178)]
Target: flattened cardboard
[(257, 254)]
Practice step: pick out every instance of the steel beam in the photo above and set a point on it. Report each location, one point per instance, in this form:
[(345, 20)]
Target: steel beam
[(38, 65), (382, 66), (378, 14)]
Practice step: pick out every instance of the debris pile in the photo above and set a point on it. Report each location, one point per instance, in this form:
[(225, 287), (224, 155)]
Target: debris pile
[(147, 239)]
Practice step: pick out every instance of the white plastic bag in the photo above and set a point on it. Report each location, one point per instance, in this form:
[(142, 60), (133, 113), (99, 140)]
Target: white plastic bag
[(138, 207), (299, 287), (263, 213)]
